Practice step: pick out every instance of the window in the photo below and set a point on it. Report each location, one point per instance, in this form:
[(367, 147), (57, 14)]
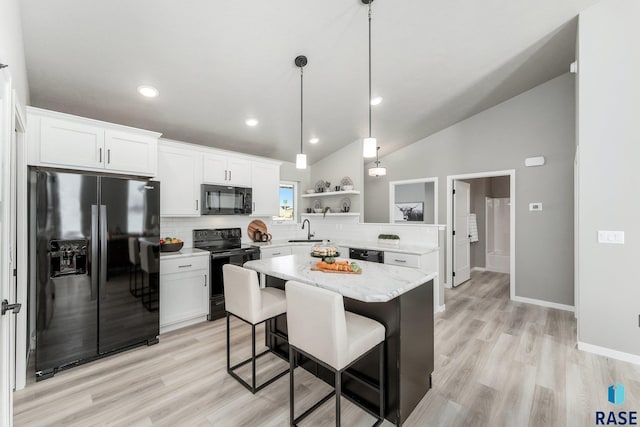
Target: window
[(287, 201)]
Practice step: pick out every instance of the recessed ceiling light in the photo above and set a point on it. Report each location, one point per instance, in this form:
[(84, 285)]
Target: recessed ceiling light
[(376, 101), (148, 91), (314, 140), (251, 122)]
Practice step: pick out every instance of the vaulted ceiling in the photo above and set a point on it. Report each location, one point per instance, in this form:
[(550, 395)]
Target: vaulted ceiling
[(216, 63)]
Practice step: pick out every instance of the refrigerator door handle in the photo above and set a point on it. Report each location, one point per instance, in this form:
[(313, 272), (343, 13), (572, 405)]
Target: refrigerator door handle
[(94, 252), (103, 250)]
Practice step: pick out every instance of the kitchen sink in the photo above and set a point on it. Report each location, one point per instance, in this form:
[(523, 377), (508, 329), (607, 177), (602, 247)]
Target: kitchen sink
[(305, 240)]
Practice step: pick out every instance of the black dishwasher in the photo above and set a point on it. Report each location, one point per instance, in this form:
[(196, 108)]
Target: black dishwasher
[(366, 255)]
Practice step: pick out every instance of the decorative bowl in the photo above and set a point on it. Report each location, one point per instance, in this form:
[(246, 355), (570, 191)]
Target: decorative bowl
[(316, 210), (311, 191), (171, 247), (347, 187)]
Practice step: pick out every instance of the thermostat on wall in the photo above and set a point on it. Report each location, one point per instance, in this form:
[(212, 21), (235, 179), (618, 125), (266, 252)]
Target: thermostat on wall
[(534, 161)]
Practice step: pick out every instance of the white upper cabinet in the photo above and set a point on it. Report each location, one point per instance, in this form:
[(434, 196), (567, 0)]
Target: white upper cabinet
[(71, 142), (266, 186), (126, 152), (180, 176), (226, 170), (64, 143)]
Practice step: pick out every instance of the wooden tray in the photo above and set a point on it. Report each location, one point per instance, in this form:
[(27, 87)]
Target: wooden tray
[(324, 270), (254, 225)]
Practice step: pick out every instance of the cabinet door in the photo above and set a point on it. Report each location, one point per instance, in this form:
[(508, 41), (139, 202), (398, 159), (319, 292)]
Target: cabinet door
[(266, 253), (239, 172), (180, 175), (68, 144), (399, 258), (183, 296), (215, 170), (131, 153), (265, 179)]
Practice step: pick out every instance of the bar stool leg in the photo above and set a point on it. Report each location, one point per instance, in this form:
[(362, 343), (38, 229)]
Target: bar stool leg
[(228, 348), (338, 395), (291, 386), (381, 382), (253, 357)]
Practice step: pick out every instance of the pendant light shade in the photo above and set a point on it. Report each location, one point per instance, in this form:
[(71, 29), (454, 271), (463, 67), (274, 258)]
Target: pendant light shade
[(301, 159), (369, 147), (377, 170), (369, 144)]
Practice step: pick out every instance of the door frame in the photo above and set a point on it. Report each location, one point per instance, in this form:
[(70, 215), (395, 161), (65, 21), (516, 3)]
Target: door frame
[(392, 196), (453, 226), (511, 173)]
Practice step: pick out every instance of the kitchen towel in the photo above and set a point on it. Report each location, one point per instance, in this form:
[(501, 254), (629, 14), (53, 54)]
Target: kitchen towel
[(473, 228)]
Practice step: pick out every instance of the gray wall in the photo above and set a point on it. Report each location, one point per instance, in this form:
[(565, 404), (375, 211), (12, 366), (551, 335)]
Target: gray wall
[(12, 47), (609, 149), (418, 192), (537, 122)]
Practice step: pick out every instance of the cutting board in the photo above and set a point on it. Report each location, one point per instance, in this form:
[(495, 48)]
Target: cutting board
[(254, 225), (324, 270)]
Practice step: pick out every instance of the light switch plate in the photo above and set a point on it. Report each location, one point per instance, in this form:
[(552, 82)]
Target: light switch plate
[(537, 206), (612, 237)]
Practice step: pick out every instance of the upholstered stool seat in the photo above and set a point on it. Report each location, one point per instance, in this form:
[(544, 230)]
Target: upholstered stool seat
[(245, 300), (320, 329)]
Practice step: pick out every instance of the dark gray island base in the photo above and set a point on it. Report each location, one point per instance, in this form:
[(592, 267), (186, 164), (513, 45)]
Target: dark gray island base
[(408, 320)]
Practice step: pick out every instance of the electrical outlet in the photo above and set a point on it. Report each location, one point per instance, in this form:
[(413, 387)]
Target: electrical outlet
[(612, 237)]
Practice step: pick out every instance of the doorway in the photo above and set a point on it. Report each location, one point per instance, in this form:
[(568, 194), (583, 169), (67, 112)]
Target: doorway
[(481, 223)]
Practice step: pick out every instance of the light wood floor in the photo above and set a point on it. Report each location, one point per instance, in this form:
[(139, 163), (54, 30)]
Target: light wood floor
[(498, 363)]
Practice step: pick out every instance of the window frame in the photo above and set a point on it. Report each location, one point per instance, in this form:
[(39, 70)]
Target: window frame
[(294, 220)]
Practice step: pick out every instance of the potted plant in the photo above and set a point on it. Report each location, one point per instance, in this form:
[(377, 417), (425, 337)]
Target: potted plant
[(389, 239)]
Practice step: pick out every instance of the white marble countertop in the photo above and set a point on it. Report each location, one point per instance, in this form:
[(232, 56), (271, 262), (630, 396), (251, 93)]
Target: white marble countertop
[(184, 252), (377, 283), (360, 244)]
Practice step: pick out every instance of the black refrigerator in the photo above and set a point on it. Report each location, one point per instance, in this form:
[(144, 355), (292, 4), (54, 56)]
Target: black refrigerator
[(96, 242)]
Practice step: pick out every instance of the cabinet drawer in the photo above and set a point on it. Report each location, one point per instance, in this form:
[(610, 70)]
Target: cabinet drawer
[(405, 260), (274, 252), (184, 264)]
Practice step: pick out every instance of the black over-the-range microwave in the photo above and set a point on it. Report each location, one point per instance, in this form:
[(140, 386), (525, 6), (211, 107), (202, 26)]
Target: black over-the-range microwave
[(225, 200)]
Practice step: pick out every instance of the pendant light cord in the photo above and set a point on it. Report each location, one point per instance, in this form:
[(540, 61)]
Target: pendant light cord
[(370, 1), (301, 107)]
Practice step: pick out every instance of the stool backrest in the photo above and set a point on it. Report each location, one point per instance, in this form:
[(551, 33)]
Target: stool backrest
[(316, 322), (134, 250), (241, 291), (148, 259)]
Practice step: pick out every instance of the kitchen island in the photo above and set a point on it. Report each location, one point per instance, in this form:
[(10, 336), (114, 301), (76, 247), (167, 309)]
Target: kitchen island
[(400, 298)]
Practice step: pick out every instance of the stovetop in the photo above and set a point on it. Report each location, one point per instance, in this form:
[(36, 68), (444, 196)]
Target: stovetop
[(220, 240)]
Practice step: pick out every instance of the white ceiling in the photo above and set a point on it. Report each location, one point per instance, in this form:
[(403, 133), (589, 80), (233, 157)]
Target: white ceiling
[(436, 62)]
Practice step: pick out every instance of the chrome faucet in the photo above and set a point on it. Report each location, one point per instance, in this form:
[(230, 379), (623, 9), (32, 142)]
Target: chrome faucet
[(309, 234)]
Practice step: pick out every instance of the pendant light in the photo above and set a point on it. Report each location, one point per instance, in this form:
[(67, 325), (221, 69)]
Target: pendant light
[(301, 159), (377, 170), (370, 144)]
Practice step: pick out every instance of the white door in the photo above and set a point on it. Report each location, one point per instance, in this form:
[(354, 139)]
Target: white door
[(130, 153), (7, 355), (461, 241), (65, 143), (266, 185), (180, 174)]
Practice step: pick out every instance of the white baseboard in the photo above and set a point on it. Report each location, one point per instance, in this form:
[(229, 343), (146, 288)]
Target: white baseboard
[(544, 303), (181, 324), (441, 308), (607, 352), (478, 269)]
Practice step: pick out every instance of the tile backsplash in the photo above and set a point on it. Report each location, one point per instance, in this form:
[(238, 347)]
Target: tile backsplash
[(346, 228)]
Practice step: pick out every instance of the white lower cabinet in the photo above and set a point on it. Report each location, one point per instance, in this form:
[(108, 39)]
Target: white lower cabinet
[(399, 258), (184, 291), (266, 253), (301, 249)]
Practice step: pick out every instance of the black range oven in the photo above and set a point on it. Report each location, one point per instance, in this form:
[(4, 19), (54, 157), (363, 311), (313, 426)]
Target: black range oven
[(225, 247)]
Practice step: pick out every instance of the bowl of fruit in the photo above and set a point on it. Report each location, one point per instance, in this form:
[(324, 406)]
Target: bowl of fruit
[(170, 244)]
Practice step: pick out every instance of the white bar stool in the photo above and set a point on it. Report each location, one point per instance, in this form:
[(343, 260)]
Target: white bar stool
[(245, 300), (320, 329)]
